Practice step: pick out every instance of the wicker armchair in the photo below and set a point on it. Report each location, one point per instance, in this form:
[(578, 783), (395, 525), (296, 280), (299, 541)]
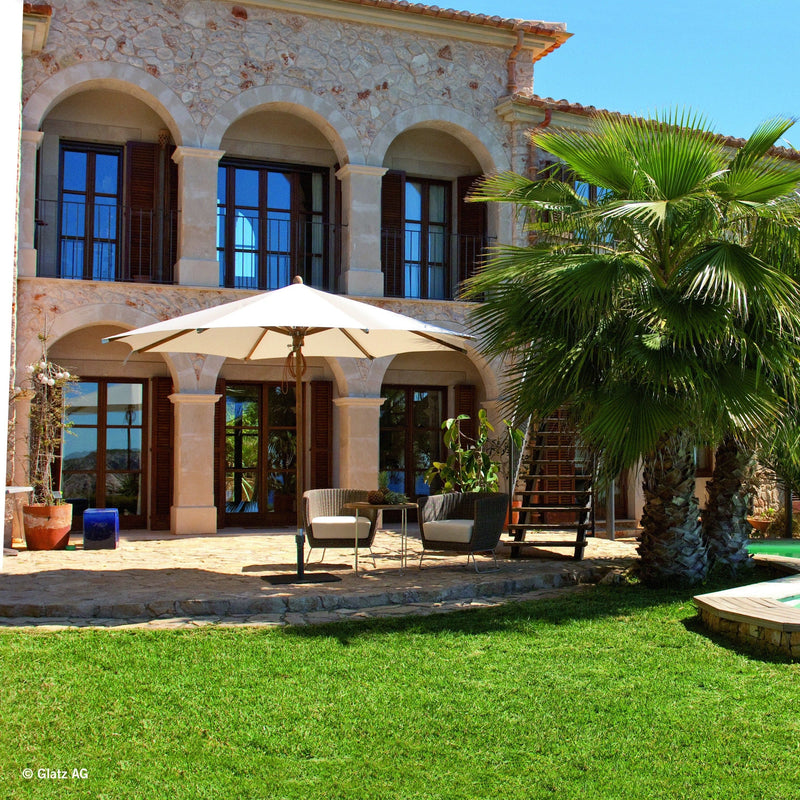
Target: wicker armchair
[(329, 524), (469, 522)]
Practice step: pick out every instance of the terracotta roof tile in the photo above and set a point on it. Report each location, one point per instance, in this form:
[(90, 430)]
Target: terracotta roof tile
[(528, 26), (548, 103)]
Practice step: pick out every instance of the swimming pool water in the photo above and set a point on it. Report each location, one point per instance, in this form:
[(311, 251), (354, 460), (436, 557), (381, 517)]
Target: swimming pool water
[(794, 600), (778, 547)]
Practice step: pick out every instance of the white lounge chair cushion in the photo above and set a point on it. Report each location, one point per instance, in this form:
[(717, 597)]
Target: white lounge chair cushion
[(449, 530), (339, 527)]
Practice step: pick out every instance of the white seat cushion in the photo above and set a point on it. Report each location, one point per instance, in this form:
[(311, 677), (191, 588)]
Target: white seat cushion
[(339, 527), (449, 530)]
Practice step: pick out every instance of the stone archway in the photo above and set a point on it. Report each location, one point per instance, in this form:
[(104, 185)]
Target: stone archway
[(489, 153), (120, 77), (322, 114)]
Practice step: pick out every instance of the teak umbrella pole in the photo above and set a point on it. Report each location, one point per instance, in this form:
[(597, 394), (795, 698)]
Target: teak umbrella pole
[(297, 344)]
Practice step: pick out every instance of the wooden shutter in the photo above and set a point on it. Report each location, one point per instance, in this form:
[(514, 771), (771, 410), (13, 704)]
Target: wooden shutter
[(392, 232), (471, 230), (170, 218), (219, 454), (321, 434), (141, 183), (162, 460), (336, 285), (464, 398)]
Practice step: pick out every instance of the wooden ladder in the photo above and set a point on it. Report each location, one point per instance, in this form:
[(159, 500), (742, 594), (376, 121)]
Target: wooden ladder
[(555, 487)]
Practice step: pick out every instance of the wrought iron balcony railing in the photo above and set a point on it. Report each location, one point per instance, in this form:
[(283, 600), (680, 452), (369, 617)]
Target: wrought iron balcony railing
[(430, 265), (104, 241), (266, 250)]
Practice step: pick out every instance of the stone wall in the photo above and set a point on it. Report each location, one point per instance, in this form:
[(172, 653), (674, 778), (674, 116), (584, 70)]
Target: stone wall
[(208, 52), (759, 636)]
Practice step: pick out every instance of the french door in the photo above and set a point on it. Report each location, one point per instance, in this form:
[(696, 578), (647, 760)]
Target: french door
[(101, 455), (411, 435), (90, 207), (260, 454)]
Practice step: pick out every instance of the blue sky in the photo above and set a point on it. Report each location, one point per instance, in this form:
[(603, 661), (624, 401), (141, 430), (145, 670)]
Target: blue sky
[(735, 61)]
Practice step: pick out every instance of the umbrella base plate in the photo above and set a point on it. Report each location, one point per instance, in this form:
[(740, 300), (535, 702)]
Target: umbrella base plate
[(312, 577)]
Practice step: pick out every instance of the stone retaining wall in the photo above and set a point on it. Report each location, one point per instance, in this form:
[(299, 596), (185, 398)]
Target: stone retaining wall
[(760, 635)]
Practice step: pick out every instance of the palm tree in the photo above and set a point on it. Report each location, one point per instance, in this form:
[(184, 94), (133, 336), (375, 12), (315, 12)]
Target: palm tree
[(730, 501), (646, 310)]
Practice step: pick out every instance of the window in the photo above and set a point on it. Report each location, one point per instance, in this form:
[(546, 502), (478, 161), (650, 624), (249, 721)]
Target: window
[(271, 226), (411, 436), (426, 239), (427, 251), (89, 212), (102, 465), (115, 218)]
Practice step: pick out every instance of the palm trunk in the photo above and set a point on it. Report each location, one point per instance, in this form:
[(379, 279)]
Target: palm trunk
[(671, 545), (730, 500)]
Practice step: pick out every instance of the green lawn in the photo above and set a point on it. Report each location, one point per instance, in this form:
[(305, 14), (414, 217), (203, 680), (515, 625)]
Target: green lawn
[(610, 693)]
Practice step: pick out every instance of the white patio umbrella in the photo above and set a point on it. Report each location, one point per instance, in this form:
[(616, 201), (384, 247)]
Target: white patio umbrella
[(296, 322)]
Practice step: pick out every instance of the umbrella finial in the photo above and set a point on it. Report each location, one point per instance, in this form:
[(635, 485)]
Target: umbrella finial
[(297, 279)]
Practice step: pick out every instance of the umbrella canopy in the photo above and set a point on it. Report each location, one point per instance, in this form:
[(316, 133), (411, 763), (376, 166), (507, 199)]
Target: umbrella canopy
[(265, 326), (299, 322)]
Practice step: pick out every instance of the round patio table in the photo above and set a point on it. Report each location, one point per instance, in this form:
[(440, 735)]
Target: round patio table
[(403, 509)]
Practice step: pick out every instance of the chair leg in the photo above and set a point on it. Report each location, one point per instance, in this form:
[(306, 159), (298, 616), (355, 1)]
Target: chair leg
[(494, 568)]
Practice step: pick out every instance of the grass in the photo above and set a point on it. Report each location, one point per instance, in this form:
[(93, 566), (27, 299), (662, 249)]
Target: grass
[(614, 692)]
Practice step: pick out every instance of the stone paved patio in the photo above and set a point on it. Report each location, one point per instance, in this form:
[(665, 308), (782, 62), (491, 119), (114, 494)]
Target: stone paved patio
[(160, 580)]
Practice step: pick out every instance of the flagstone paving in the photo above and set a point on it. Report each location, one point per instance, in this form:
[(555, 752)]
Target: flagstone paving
[(156, 580)]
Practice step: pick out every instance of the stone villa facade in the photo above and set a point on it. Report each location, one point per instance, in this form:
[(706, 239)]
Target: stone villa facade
[(178, 154)]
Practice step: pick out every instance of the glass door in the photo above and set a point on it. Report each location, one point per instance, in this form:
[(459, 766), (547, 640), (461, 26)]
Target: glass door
[(260, 454), (102, 465), (411, 436)]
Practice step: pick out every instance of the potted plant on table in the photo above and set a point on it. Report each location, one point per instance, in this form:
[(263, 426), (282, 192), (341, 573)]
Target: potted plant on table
[(48, 519)]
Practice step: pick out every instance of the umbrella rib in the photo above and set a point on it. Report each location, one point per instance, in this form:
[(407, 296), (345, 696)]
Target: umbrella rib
[(440, 341), (161, 341), (356, 344), (264, 332)]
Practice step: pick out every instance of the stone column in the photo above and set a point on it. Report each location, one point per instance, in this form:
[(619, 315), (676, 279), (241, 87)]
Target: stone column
[(18, 473), (27, 202), (358, 424), (193, 509), (197, 230), (361, 231)]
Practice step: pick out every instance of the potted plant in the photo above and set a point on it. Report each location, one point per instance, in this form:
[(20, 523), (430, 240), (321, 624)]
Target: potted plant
[(48, 519), (762, 519), (470, 466)]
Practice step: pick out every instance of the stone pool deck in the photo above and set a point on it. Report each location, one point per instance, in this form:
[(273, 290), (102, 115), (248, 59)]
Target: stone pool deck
[(157, 580), (755, 614)]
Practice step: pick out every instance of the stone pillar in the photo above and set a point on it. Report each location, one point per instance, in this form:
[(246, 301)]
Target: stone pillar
[(18, 474), (193, 509), (359, 422), (197, 230), (27, 203), (361, 229)]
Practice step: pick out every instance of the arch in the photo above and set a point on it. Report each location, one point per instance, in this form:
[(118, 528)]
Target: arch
[(472, 133), (322, 114), (186, 374), (357, 377), (108, 75)]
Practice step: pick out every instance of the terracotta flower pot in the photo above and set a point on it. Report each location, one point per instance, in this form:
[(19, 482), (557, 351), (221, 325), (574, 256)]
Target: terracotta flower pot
[(47, 527), (759, 523)]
